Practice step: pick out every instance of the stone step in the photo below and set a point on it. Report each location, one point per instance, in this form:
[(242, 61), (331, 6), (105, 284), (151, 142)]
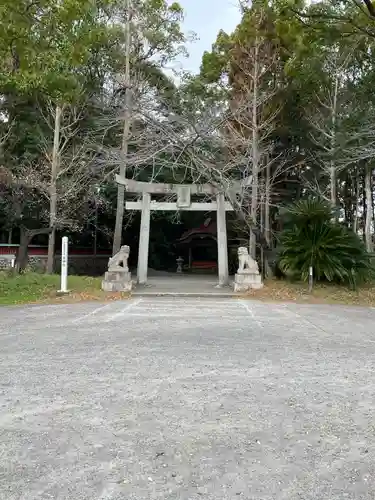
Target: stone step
[(164, 293)]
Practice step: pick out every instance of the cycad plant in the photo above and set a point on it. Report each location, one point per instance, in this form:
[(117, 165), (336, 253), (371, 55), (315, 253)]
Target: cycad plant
[(313, 238)]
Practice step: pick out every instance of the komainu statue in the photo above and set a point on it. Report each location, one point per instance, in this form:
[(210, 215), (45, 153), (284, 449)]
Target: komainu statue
[(121, 257), (246, 263)]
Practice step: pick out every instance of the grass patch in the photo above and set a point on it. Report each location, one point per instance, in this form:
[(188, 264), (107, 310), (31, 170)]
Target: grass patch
[(32, 288), (284, 291)]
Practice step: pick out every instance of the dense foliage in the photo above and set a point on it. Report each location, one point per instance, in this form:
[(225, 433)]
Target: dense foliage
[(283, 105), (312, 237)]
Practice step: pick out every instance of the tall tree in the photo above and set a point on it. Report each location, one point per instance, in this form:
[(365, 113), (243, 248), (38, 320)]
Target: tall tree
[(48, 52), (152, 37)]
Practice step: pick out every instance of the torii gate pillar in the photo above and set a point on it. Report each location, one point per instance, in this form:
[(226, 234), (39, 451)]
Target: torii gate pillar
[(144, 238), (222, 242)]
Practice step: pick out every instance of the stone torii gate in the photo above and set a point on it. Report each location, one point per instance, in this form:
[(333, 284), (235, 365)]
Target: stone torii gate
[(183, 192)]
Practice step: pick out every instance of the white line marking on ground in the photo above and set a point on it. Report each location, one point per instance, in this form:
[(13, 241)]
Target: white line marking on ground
[(123, 311), (199, 308), (251, 313), (283, 308), (192, 303), (185, 316), (92, 313), (44, 306)]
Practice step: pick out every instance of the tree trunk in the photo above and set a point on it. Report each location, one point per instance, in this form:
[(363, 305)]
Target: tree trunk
[(26, 235), (267, 220), (332, 169), (125, 139), (255, 150), (22, 253), (347, 201), (262, 214), (368, 220), (357, 195), (332, 182), (242, 216), (364, 206), (53, 190)]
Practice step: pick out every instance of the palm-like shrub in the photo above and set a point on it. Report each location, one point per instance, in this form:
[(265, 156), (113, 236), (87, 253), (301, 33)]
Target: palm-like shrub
[(312, 238)]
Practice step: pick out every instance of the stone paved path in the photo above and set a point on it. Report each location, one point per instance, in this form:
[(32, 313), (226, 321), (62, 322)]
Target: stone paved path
[(161, 398), (188, 285)]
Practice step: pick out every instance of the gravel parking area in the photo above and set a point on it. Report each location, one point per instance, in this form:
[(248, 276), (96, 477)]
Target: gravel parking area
[(187, 398)]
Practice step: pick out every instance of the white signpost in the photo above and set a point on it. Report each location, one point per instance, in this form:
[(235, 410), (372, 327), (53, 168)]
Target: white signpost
[(311, 279), (64, 265)]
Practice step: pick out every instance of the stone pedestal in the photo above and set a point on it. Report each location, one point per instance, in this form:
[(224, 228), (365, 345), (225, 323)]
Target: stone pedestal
[(244, 281), (117, 281), (179, 261)]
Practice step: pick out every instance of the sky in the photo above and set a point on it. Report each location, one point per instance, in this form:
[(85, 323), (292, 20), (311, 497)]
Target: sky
[(206, 18)]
